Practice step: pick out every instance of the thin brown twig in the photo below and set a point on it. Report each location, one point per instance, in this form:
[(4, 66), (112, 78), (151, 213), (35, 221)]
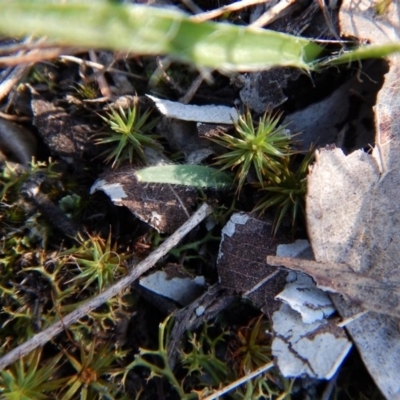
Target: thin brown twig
[(25, 46), (43, 337), (239, 5), (100, 78), (328, 20), (240, 381), (14, 75), (185, 99), (37, 56), (283, 8), (12, 117), (99, 66), (13, 78)]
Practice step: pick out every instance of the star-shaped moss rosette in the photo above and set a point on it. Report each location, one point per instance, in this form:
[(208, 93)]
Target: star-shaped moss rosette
[(288, 195), (127, 135), (262, 146)]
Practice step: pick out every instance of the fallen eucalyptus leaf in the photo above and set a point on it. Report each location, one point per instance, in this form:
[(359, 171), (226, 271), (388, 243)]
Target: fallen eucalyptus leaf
[(245, 242), (353, 215)]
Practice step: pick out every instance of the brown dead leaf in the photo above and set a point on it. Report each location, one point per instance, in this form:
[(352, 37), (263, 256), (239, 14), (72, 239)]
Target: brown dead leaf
[(164, 207), (353, 214), (245, 243), (362, 290), (67, 136)]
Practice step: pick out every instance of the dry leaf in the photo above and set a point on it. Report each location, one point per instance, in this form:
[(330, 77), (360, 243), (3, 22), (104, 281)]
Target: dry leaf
[(67, 136), (353, 214), (245, 243), (163, 207)]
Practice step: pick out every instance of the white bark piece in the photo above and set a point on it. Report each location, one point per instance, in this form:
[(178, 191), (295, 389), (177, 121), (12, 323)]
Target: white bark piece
[(181, 290), (213, 114), (303, 296), (301, 293), (114, 191), (316, 349), (237, 218)]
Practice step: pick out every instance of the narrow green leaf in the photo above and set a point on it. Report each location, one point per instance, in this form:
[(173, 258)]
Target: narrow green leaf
[(163, 31), (362, 53), (187, 175)]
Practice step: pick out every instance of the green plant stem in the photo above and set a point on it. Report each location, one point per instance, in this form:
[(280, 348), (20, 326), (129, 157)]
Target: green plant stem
[(161, 352)]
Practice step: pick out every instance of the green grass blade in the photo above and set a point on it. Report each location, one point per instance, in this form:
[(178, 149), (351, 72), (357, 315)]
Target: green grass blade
[(187, 175), (362, 53), (163, 31)]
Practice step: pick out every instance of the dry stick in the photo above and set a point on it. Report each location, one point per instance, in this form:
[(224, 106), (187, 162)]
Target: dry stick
[(38, 56), (30, 45), (229, 8), (15, 76), (240, 381), (101, 79), (43, 337), (99, 66), (280, 10)]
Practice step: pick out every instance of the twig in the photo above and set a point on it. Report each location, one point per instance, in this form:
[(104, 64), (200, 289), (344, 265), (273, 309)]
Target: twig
[(37, 56), (240, 381), (13, 117), (328, 19), (350, 319), (99, 66), (29, 45), (228, 8), (192, 90), (101, 80), (13, 78), (283, 8), (15, 75), (46, 335), (192, 6)]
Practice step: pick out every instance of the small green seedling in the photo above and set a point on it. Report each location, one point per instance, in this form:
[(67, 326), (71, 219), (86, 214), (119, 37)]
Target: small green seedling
[(91, 367), (97, 260), (30, 378), (128, 136), (261, 146)]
